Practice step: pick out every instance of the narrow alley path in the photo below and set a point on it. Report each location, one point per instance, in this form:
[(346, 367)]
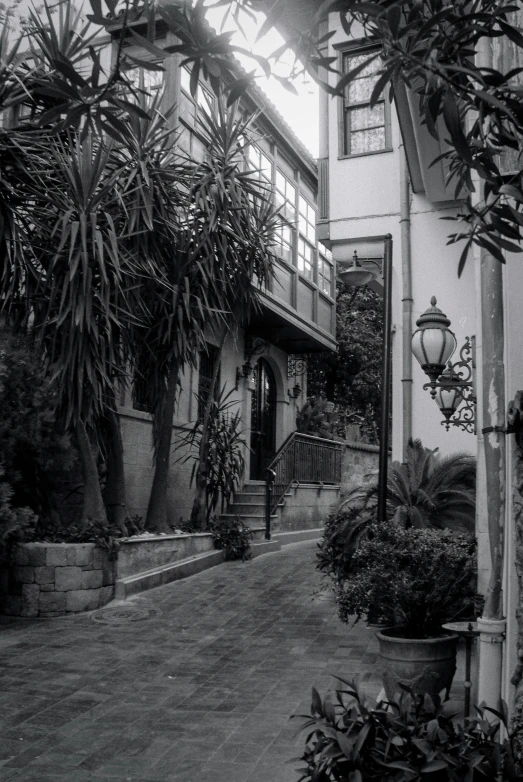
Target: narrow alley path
[(191, 682)]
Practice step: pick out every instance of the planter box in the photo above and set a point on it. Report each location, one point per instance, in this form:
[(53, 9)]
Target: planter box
[(53, 579), (138, 555)]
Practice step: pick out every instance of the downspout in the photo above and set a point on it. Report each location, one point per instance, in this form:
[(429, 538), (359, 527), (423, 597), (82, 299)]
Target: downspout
[(492, 624), (406, 276)]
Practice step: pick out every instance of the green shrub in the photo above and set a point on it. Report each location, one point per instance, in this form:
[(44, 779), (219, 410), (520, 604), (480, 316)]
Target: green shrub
[(16, 524), (421, 577), (411, 738), (33, 452), (233, 537)]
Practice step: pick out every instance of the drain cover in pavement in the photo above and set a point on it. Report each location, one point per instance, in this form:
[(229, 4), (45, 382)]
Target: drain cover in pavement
[(123, 615)]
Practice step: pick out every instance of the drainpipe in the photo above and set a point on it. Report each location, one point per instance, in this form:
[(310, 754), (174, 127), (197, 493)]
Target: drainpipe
[(492, 624), (406, 276)]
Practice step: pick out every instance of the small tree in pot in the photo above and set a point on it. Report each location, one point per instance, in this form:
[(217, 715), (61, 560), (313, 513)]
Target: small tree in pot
[(417, 579)]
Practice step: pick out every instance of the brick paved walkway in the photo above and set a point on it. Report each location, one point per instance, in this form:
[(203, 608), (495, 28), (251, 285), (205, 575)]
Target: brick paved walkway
[(200, 692)]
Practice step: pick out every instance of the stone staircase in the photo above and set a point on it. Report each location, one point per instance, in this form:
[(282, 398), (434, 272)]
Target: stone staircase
[(249, 506)]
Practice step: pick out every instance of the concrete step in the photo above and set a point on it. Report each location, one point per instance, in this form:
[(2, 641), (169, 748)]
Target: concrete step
[(244, 496), (247, 508), (149, 579), (253, 521), (253, 488)]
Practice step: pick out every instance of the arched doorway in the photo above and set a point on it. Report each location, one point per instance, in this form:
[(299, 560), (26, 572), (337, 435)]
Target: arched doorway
[(263, 420)]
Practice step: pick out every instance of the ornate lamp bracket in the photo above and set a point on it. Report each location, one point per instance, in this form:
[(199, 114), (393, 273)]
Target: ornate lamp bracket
[(458, 378)]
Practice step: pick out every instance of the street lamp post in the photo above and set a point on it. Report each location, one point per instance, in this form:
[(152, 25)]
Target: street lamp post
[(358, 275)]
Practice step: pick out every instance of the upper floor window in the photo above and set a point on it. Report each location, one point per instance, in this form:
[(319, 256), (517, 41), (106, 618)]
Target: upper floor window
[(259, 161), (284, 242), (365, 129), (147, 83), (325, 270), (189, 104), (307, 220), (305, 259), (285, 197)]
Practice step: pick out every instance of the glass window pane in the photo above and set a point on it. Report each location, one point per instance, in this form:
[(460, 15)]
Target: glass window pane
[(367, 140), (358, 59), (303, 206), (291, 192), (367, 117), (152, 80), (185, 78), (325, 251), (280, 181), (360, 90)]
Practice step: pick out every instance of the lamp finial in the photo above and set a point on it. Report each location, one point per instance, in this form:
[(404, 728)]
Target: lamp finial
[(433, 301)]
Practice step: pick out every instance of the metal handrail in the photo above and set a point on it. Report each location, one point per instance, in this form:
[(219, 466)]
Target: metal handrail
[(302, 458)]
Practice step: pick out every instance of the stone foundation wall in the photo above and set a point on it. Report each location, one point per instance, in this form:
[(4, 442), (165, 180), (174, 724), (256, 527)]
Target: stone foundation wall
[(53, 579), (359, 466)]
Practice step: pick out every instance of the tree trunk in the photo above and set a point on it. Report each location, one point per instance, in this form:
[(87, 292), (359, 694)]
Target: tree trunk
[(93, 504), (199, 508), (115, 493), (517, 678), (157, 509)]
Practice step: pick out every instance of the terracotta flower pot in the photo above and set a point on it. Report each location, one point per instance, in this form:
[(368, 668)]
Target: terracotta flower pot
[(425, 664)]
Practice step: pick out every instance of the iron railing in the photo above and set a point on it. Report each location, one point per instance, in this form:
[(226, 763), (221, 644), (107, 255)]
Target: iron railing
[(301, 459)]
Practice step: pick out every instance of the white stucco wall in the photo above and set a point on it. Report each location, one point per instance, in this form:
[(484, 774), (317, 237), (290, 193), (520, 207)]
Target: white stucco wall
[(364, 195)]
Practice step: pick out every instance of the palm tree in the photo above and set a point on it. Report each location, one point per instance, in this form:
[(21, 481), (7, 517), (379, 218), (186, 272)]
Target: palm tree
[(427, 491), (239, 209)]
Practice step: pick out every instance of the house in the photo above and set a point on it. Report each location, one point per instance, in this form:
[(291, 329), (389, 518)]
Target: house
[(377, 179), (263, 362)]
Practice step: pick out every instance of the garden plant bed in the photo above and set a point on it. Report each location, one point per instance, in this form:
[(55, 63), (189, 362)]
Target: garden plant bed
[(53, 579)]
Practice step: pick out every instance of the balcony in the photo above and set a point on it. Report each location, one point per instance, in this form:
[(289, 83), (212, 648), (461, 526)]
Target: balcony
[(295, 314)]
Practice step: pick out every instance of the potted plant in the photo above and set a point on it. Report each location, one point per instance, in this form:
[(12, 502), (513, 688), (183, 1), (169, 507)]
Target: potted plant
[(411, 738), (418, 579)]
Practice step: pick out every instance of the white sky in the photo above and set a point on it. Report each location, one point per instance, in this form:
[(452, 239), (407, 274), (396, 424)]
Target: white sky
[(300, 111)]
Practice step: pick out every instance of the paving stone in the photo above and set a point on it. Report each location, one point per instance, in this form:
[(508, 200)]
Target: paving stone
[(68, 578), (201, 691)]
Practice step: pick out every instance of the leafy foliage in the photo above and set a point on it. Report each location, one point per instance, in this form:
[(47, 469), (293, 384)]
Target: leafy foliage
[(16, 524), (225, 454), (314, 419), (34, 453), (413, 737), (351, 377), (233, 537), (425, 492), (420, 577)]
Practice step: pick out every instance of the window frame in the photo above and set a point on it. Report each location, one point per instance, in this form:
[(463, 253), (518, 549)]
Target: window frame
[(353, 50), (322, 262)]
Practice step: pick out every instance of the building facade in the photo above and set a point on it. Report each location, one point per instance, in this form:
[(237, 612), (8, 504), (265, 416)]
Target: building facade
[(297, 314)]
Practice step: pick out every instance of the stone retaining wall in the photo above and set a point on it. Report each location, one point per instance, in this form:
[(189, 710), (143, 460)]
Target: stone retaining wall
[(359, 466), (53, 579)]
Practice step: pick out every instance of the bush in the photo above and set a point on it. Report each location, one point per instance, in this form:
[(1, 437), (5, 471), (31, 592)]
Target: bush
[(16, 524), (233, 537), (411, 738), (33, 452), (344, 528), (423, 578)]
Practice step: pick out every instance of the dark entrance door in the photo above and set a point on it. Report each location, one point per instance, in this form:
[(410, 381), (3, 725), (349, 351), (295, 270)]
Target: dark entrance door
[(263, 420)]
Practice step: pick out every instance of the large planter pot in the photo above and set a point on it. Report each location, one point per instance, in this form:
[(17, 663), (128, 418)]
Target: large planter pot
[(426, 665)]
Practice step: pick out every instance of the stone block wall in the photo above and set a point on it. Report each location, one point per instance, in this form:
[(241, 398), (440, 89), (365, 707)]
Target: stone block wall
[(53, 579), (359, 466)]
